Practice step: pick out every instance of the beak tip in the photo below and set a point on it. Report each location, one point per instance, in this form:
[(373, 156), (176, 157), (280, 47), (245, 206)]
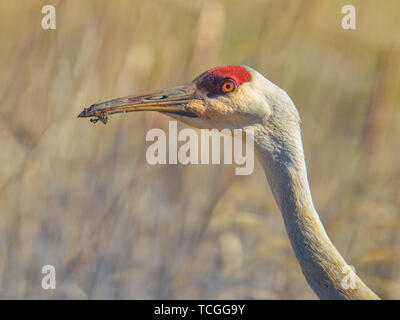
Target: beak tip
[(85, 113)]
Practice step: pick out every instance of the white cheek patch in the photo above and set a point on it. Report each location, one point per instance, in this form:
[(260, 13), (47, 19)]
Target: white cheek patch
[(253, 101), (267, 96)]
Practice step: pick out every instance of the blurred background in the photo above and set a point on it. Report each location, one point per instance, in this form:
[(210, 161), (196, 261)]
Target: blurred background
[(82, 197)]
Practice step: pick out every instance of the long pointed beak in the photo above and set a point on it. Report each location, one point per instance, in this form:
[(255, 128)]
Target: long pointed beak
[(171, 100)]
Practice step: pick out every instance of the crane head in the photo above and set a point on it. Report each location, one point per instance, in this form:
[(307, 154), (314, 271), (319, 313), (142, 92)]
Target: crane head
[(232, 97)]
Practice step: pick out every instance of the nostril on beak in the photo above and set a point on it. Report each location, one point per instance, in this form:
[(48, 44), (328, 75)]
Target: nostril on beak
[(156, 98)]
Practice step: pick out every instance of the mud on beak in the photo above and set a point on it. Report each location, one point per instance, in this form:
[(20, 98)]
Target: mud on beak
[(170, 101)]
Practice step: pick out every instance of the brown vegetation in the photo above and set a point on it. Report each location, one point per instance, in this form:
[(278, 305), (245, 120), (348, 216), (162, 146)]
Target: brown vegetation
[(83, 198)]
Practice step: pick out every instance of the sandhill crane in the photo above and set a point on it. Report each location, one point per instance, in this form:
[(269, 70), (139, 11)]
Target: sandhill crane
[(238, 97)]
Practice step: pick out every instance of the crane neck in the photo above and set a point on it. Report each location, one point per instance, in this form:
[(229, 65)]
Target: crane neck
[(327, 273)]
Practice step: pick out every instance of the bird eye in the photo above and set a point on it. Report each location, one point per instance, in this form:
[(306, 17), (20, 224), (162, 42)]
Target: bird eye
[(228, 86)]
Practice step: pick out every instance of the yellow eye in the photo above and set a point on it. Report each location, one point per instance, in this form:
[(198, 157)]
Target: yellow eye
[(228, 86)]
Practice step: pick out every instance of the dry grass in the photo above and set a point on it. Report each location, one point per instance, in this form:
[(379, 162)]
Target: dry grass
[(83, 198)]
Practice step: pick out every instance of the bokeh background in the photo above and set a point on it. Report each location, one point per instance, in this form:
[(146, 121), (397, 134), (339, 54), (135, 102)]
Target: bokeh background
[(82, 197)]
